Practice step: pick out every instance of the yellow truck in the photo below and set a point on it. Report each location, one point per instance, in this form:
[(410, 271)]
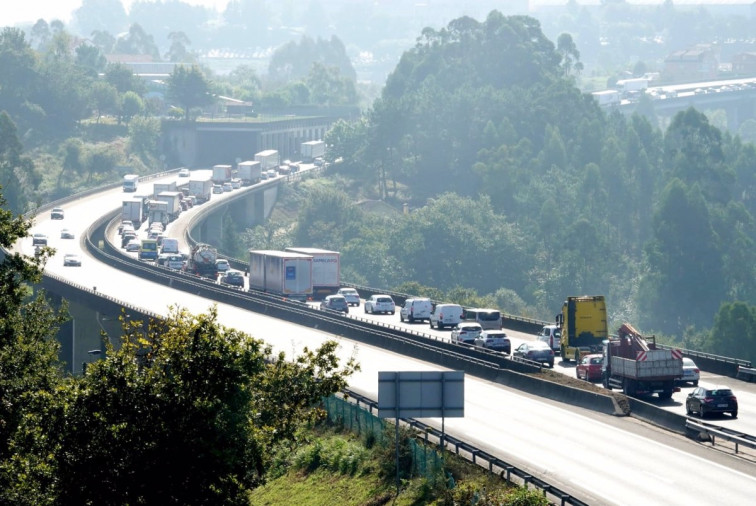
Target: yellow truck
[(583, 326)]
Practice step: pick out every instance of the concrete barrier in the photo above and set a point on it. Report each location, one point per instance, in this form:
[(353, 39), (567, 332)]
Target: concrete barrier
[(657, 416)]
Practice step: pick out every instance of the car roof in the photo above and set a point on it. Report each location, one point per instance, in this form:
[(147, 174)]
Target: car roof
[(538, 344)]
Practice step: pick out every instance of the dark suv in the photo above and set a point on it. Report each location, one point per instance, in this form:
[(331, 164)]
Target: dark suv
[(335, 303), (711, 400)]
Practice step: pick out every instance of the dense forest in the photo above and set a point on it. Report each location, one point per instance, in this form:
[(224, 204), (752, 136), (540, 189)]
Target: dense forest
[(522, 192)]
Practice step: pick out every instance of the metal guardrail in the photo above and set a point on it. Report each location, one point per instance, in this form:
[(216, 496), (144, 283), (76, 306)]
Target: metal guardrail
[(475, 455), (746, 374), (712, 432), (710, 356)]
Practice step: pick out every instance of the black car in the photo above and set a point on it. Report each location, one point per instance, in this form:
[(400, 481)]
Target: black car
[(711, 400), (537, 351), (233, 278)]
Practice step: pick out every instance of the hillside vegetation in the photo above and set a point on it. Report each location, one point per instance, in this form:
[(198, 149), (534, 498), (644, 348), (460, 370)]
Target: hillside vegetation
[(522, 191)]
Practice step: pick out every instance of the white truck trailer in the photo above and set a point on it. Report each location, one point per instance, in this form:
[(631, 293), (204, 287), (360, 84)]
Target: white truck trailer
[(201, 189), (158, 188), (326, 270), (312, 150), (250, 172), (222, 173), (268, 159), (173, 199), (133, 211), (281, 273), (130, 182)]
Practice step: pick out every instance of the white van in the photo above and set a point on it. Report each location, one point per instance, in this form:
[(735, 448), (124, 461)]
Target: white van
[(489, 319), (551, 335), (169, 245), (445, 315), (416, 309)]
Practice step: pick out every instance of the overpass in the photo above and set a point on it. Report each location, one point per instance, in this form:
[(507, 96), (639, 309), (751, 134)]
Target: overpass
[(736, 97)]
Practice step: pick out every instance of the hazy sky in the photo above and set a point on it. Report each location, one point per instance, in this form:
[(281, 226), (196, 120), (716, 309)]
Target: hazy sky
[(22, 11)]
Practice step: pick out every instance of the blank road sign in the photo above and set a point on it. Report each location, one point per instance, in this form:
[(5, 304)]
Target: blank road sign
[(421, 394)]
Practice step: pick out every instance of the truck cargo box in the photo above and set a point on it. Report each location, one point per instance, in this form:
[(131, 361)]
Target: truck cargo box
[(222, 173), (268, 159), (326, 269), (249, 172), (159, 188), (657, 364), (281, 272), (312, 150)]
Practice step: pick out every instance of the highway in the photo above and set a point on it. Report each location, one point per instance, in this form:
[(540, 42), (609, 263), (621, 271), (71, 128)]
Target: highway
[(598, 458)]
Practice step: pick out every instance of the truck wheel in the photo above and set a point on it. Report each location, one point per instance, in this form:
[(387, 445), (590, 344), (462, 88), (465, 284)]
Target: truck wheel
[(665, 395), (577, 356), (563, 353), (440, 325)]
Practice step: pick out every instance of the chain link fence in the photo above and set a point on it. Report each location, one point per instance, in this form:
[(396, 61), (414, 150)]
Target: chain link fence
[(426, 460)]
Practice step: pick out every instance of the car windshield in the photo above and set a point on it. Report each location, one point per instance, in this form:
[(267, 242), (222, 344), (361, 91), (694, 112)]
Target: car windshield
[(384, 300), (349, 291), (497, 336), (688, 362)]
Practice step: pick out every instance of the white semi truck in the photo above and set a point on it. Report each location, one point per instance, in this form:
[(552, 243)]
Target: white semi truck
[(281, 273), (249, 172), (326, 270), (312, 150), (268, 159), (130, 182)]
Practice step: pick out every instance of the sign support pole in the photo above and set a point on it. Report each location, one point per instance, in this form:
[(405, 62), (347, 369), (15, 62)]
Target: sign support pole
[(396, 430)]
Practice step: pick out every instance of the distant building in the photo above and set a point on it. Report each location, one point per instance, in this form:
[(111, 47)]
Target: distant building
[(698, 63)]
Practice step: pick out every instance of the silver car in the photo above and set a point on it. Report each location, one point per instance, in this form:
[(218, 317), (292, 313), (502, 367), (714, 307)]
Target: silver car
[(494, 340), (351, 295)]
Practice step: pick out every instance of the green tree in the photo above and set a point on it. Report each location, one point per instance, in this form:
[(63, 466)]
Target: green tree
[(13, 164), (188, 86), (123, 79), (137, 41), (91, 57), (178, 51), (734, 331), (144, 136), (104, 98), (187, 413), (328, 87), (131, 105), (683, 256), (28, 349)]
